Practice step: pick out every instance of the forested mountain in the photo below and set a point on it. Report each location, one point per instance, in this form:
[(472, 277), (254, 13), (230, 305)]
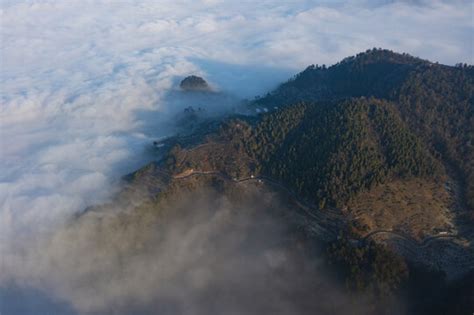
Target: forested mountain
[(370, 120), (378, 150), (431, 102), (438, 105), (336, 149), (375, 73)]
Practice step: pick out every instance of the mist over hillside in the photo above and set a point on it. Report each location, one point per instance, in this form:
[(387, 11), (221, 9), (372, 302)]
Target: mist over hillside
[(90, 92)]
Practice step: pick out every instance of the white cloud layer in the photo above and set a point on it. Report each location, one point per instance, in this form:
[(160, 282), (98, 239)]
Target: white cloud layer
[(75, 75)]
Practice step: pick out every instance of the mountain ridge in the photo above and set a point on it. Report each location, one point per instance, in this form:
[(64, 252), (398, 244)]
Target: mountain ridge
[(435, 101), (373, 170)]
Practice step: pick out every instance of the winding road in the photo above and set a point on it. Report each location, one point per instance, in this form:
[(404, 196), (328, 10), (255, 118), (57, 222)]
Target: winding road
[(441, 251), (304, 205)]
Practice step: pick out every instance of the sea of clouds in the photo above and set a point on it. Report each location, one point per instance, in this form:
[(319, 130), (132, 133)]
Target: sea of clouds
[(79, 79)]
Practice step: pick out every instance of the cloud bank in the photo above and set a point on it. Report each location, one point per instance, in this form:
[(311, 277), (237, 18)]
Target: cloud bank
[(78, 79)]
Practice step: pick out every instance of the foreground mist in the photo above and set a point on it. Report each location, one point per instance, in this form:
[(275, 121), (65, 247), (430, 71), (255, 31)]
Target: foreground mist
[(204, 254)]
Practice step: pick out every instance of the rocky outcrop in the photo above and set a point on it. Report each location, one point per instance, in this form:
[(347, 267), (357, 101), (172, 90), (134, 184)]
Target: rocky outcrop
[(194, 83)]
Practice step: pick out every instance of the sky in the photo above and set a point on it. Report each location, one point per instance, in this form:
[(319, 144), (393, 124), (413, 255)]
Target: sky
[(77, 78)]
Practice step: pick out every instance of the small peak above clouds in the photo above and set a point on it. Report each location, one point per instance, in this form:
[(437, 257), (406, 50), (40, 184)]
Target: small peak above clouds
[(194, 83)]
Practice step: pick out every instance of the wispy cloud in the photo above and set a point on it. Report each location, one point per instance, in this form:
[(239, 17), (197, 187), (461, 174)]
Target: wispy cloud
[(205, 255)]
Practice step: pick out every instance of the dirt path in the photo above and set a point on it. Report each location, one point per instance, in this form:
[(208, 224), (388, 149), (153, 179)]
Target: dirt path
[(460, 208), (310, 210), (446, 251)]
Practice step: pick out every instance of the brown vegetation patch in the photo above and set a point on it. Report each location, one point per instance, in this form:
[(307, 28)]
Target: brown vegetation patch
[(212, 156), (415, 207)]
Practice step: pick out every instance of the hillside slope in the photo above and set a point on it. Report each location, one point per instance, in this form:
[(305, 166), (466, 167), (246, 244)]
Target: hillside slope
[(338, 149), (435, 101), (385, 138), (372, 157)]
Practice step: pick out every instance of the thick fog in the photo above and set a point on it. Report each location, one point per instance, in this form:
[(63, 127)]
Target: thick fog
[(86, 86), (204, 254)]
